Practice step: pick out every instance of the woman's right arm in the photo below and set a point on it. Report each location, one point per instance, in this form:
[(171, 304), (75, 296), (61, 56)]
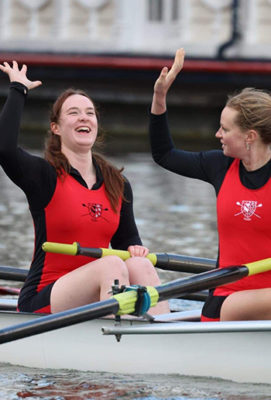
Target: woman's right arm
[(191, 164), (164, 153), (163, 83), (199, 165), (10, 117), (31, 173)]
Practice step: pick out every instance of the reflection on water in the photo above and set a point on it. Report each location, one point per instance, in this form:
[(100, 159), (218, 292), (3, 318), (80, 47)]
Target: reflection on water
[(175, 215)]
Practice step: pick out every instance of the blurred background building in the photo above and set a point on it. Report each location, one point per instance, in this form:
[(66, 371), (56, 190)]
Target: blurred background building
[(115, 49)]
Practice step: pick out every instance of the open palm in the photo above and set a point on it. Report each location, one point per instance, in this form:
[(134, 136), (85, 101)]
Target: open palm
[(167, 77), (18, 75)]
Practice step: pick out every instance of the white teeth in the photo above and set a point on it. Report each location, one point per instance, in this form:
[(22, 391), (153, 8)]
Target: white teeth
[(83, 129)]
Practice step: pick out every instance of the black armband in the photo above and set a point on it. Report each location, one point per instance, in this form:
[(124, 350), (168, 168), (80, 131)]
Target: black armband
[(20, 87)]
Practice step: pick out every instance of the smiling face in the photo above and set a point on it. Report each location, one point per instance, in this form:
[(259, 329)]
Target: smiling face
[(77, 124), (232, 138)]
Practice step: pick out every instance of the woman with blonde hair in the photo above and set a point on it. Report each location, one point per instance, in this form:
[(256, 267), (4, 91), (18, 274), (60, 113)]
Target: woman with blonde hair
[(240, 174)]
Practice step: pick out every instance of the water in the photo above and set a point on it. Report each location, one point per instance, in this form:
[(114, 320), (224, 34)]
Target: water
[(175, 215), (25, 383)]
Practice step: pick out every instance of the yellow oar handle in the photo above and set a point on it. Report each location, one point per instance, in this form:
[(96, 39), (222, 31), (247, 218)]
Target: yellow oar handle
[(75, 249), (124, 255), (257, 267), (61, 248)]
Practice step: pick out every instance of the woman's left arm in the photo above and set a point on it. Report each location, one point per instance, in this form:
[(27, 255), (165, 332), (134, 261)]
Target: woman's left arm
[(127, 236)]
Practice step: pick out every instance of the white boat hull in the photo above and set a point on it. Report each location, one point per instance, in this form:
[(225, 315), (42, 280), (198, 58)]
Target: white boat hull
[(241, 352)]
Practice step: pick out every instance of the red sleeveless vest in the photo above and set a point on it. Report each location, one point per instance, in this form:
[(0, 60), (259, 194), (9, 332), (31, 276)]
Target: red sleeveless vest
[(244, 229), (76, 214)]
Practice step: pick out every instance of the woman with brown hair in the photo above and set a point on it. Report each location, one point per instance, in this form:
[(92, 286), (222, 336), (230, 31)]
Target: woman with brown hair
[(74, 194), (240, 174)]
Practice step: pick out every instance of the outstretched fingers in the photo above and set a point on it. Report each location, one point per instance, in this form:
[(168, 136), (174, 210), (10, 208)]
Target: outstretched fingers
[(167, 77), (18, 75), (5, 67), (34, 84), (178, 62), (15, 65)]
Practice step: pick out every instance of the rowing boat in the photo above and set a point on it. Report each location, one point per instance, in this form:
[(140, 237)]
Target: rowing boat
[(87, 338), (174, 343)]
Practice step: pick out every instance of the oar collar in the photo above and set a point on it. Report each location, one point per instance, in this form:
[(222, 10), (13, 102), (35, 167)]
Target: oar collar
[(136, 299)]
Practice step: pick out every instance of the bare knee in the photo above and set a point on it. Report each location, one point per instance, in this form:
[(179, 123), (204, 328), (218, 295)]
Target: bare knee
[(141, 271), (113, 265), (140, 262)]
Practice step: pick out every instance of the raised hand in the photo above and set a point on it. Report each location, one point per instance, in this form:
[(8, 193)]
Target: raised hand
[(18, 75), (164, 81), (167, 77)]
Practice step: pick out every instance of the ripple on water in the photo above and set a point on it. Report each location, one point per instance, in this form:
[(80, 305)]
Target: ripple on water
[(72, 385)]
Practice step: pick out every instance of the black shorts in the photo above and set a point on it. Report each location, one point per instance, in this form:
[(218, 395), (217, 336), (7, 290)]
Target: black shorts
[(212, 307), (38, 303)]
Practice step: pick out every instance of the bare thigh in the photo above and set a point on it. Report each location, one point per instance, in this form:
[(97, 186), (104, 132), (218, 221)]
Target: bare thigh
[(247, 305), (87, 284)]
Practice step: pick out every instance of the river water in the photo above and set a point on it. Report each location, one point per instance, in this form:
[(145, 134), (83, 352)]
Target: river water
[(175, 215)]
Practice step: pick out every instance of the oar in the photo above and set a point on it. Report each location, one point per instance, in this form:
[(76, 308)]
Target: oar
[(13, 274), (19, 274), (197, 296), (9, 290), (169, 262), (126, 302)]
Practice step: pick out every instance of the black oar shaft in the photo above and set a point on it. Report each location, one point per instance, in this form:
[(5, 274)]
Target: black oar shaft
[(180, 263), (90, 252), (60, 320), (13, 274), (206, 280), (198, 296)]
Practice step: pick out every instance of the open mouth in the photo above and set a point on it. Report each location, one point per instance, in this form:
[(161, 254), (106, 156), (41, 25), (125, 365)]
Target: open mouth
[(83, 129)]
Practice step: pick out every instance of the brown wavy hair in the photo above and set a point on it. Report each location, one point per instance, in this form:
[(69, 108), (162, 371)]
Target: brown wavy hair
[(113, 179), (254, 111)]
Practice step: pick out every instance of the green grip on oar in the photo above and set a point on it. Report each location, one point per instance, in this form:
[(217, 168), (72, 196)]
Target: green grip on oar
[(61, 248), (153, 258), (258, 267), (124, 255), (127, 300)]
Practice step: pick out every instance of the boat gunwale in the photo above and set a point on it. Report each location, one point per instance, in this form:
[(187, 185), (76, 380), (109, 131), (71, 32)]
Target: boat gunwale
[(188, 327)]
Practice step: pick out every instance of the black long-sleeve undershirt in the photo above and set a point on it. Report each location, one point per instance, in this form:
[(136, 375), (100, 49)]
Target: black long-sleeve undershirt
[(209, 166), (37, 178)]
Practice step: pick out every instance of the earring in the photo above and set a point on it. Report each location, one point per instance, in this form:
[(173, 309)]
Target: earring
[(247, 146)]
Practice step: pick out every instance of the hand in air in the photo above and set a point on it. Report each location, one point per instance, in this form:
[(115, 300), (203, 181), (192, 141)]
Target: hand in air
[(18, 75), (167, 76), (138, 251)]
